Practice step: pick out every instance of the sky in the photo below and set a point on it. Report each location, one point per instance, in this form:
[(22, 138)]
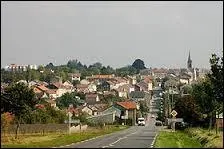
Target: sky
[(115, 33)]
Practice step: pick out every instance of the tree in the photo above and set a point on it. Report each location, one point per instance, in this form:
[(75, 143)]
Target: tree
[(6, 119), (18, 99), (65, 100), (50, 66), (188, 109), (139, 64), (216, 76)]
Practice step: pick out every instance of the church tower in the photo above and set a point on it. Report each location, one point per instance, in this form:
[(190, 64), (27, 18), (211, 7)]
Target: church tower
[(189, 62)]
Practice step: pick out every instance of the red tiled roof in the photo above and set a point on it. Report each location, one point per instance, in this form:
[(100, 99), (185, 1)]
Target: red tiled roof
[(81, 86), (102, 76), (58, 85), (51, 91), (42, 87), (91, 95), (37, 90), (127, 104)]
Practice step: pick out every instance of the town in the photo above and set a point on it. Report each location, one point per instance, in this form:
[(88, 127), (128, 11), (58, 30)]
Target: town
[(99, 95), (112, 74)]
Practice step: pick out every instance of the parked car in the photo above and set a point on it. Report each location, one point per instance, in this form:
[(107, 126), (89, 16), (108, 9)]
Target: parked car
[(181, 125), (158, 123), (141, 121)]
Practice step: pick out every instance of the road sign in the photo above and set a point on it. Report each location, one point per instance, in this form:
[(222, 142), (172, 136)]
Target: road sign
[(177, 119), (174, 113), (72, 121)]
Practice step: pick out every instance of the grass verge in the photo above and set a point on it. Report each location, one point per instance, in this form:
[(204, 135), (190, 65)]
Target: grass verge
[(56, 140), (208, 139), (177, 139)]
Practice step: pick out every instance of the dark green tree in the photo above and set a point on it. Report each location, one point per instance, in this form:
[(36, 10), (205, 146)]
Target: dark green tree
[(139, 64), (188, 109), (216, 76), (19, 100), (65, 100)]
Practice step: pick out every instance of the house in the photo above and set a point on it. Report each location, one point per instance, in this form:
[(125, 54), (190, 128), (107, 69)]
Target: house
[(184, 78), (93, 108), (32, 83), (74, 76), (100, 108), (100, 77), (82, 88), (132, 80), (87, 110), (128, 110), (51, 93), (103, 86), (120, 81), (141, 86), (112, 84), (114, 109), (92, 87), (59, 87), (68, 86), (159, 73), (124, 90), (112, 92), (148, 80), (92, 98), (84, 81), (137, 95)]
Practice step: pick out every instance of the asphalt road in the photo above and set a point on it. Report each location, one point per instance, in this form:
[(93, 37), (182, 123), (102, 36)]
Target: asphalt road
[(134, 137)]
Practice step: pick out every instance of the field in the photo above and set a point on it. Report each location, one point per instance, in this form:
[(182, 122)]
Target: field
[(56, 139)]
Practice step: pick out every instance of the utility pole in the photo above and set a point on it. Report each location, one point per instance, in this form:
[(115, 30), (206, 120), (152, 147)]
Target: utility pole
[(168, 102), (172, 99), (69, 122)]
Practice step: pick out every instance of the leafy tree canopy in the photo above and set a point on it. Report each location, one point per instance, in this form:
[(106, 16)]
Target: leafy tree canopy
[(139, 64)]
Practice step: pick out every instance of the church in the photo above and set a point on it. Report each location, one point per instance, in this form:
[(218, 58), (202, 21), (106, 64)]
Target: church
[(193, 72)]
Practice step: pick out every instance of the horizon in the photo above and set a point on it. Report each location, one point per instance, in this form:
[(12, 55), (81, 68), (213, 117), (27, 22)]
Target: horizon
[(112, 33)]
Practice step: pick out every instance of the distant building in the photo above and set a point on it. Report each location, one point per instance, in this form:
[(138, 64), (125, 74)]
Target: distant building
[(15, 67), (189, 62)]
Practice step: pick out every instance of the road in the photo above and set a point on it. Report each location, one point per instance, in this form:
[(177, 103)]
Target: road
[(134, 137)]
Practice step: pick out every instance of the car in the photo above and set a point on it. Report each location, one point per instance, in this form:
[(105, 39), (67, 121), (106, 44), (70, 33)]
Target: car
[(181, 125), (141, 121), (158, 123)]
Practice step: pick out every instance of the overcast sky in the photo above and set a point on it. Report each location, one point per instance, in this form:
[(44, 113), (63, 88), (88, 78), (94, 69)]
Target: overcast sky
[(113, 33)]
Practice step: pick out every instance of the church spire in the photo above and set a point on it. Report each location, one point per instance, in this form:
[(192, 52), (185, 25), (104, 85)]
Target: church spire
[(189, 56), (189, 62)]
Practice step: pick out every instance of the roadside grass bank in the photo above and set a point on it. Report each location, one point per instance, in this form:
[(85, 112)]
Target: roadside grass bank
[(189, 138), (208, 139), (177, 139), (56, 140)]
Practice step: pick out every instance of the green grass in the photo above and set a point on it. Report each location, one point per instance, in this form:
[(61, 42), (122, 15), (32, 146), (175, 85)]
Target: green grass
[(56, 140), (208, 139), (177, 139)]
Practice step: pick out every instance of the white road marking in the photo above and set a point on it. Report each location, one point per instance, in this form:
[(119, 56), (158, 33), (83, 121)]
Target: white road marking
[(152, 144), (112, 144)]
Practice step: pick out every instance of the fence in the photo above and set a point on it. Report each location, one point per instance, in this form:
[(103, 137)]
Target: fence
[(38, 128), (78, 128)]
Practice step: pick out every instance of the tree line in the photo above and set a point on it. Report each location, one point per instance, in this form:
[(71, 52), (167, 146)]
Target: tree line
[(50, 73)]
